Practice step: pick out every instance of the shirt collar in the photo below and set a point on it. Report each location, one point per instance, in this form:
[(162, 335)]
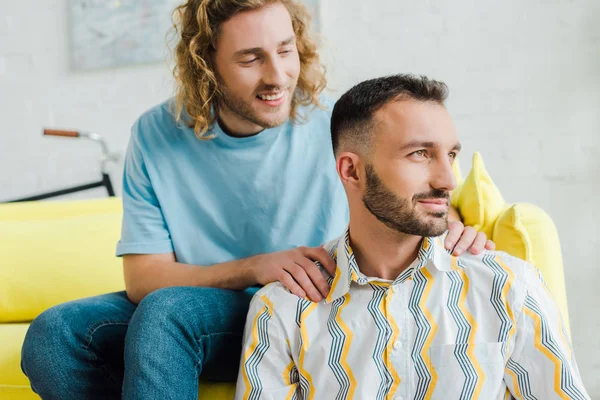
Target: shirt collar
[(432, 252)]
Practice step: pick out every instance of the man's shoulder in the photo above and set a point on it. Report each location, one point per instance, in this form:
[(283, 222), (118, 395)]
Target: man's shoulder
[(497, 263), (276, 291), (162, 113), (316, 118), (277, 297), (156, 123)]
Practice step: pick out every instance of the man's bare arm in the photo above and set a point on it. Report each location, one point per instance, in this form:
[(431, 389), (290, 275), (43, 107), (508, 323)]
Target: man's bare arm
[(145, 273)]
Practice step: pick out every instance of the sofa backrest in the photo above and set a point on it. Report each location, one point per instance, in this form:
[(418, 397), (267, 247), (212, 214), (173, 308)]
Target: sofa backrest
[(55, 251)]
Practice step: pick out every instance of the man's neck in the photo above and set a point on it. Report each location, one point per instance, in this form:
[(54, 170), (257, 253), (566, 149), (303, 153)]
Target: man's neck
[(381, 252), (234, 125)]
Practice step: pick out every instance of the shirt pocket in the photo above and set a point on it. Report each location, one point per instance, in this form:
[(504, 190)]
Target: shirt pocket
[(462, 370)]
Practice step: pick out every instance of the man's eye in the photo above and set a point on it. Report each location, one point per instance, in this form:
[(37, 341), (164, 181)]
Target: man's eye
[(248, 62), (285, 52), (453, 154), (419, 153)]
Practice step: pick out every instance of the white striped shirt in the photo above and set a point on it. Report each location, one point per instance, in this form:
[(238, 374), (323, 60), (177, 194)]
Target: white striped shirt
[(469, 327)]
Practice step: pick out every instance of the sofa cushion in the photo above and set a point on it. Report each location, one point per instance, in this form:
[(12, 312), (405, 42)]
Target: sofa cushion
[(526, 231), (11, 341), (477, 198), (54, 252), (522, 230)]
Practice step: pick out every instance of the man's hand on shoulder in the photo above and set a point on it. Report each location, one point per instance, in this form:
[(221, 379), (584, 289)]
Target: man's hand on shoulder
[(461, 238), (296, 270)]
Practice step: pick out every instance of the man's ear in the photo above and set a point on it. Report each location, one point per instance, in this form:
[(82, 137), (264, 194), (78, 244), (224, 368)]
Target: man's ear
[(349, 167)]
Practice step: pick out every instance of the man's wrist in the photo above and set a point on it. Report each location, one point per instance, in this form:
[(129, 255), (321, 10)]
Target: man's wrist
[(247, 270)]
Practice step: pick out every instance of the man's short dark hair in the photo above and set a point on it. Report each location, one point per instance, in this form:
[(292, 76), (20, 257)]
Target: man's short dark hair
[(352, 118)]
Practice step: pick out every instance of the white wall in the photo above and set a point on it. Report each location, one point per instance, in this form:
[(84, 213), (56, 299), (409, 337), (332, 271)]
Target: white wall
[(525, 91), (37, 90)]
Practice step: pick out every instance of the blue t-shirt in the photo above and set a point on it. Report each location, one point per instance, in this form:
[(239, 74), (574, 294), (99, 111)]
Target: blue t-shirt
[(212, 201)]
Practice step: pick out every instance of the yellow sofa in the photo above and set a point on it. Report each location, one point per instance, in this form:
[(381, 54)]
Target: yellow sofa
[(52, 252)]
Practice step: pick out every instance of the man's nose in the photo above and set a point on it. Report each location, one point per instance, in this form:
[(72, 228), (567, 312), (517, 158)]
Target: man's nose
[(443, 177), (275, 73)]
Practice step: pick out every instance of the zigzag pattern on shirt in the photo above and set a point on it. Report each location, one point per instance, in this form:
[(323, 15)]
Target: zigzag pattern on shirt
[(465, 336), (503, 280), (521, 383), (563, 379), (306, 307), (426, 330), (260, 345), (341, 342)]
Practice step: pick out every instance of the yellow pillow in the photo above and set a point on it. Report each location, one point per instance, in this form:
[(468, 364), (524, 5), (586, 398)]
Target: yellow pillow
[(527, 232), (216, 391), (11, 341), (457, 172), (522, 230), (48, 257), (477, 199)]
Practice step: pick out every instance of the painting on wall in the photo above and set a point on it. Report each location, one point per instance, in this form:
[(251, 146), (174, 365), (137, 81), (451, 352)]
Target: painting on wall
[(115, 33), (313, 6)]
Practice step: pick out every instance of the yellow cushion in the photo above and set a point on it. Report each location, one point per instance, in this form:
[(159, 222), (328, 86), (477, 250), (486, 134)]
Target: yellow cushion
[(522, 230), (52, 252), (52, 210), (477, 199), (216, 391), (457, 172), (459, 183), (10, 393), (12, 380), (527, 232)]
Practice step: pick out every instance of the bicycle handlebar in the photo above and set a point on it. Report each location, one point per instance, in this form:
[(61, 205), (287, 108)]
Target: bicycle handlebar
[(58, 132)]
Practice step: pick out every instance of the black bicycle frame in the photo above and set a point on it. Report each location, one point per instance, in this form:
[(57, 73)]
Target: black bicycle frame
[(105, 182)]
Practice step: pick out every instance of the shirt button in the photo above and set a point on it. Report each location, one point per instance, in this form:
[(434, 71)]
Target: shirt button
[(398, 346), (395, 289)]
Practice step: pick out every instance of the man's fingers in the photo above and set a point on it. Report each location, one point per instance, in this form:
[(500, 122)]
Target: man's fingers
[(479, 243), (455, 230), (465, 241), (300, 276), (289, 282), (321, 255), (489, 245), (315, 275)]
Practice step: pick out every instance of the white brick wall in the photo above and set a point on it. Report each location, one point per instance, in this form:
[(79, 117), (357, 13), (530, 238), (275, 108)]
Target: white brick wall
[(525, 91)]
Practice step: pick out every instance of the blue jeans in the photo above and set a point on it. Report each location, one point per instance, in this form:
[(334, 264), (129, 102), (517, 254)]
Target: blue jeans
[(107, 347)]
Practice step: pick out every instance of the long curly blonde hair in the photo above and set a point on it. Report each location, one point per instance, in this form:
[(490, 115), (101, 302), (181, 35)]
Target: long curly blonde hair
[(196, 24)]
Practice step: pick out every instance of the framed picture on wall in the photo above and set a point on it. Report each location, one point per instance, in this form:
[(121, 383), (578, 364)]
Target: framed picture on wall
[(313, 6), (115, 33)]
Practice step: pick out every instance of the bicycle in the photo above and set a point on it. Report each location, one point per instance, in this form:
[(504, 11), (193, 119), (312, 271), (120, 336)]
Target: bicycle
[(106, 157)]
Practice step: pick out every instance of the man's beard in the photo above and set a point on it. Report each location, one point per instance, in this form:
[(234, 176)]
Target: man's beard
[(244, 109), (398, 214)]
